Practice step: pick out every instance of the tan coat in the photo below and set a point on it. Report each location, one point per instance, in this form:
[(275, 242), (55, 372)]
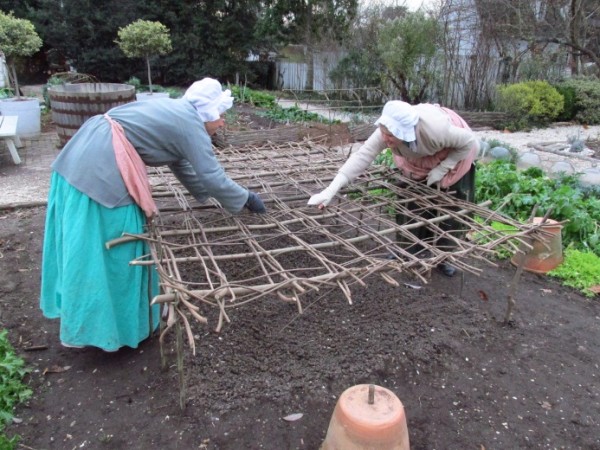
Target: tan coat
[(440, 142)]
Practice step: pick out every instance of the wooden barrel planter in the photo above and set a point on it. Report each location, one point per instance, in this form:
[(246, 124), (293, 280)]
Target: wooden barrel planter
[(73, 104)]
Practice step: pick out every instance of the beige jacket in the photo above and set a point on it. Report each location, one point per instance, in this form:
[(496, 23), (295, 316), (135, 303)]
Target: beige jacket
[(439, 142)]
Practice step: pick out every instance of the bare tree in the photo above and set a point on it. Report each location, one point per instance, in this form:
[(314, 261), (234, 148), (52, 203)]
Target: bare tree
[(521, 27)]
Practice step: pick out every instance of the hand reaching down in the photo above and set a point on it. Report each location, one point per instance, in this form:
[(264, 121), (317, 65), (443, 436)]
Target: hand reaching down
[(255, 204)]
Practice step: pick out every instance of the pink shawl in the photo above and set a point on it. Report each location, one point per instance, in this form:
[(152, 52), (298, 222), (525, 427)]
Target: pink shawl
[(133, 169), (419, 168)]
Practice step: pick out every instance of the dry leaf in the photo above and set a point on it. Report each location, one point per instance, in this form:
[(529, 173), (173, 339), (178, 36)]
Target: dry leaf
[(413, 286), (595, 289), (546, 291), (483, 296), (293, 417), (547, 406), (55, 369)]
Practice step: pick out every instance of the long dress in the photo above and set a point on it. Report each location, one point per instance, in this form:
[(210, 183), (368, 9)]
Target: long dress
[(101, 300)]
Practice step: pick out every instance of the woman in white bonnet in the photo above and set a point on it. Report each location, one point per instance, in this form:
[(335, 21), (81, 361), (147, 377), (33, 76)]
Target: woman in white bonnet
[(99, 190), (428, 143)]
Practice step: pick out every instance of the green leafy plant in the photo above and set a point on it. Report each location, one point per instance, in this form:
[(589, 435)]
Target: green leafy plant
[(6, 93), (570, 102), (580, 270), (295, 114), (144, 39), (517, 192), (483, 237), (259, 99), (12, 389), (18, 38), (385, 158)]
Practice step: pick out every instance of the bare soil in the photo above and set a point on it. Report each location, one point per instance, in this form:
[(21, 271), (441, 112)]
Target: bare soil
[(467, 379)]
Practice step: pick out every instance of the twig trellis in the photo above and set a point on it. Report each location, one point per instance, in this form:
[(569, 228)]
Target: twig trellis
[(209, 259)]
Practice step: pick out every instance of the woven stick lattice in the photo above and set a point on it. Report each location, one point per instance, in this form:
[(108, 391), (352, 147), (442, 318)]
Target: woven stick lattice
[(208, 258)]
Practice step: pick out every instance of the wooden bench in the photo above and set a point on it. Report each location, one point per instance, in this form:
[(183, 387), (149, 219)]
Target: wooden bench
[(8, 132)]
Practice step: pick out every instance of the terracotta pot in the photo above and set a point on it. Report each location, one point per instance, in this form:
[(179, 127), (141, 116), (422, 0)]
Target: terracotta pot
[(543, 257), (357, 424)]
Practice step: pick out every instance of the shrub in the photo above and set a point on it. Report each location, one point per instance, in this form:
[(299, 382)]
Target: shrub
[(587, 98), (530, 103), (570, 98)]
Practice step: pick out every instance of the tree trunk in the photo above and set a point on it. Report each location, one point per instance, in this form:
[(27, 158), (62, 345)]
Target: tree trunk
[(149, 74)]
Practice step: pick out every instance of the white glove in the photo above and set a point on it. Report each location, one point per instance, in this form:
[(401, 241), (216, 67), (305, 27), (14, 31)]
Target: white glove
[(324, 197), (436, 174)]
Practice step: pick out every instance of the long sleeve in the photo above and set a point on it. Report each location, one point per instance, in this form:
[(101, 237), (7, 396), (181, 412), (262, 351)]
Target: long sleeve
[(210, 181), (364, 156), (461, 142)]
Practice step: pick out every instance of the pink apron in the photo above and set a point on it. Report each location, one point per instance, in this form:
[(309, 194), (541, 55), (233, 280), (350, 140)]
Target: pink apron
[(133, 170), (419, 168)]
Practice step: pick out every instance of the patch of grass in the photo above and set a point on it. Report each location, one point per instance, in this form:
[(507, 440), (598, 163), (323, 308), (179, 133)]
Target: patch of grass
[(580, 270), (12, 389)]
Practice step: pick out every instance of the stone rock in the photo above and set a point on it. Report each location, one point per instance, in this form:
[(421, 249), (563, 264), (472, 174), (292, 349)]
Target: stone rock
[(529, 159), (590, 177), (561, 168), (500, 153)]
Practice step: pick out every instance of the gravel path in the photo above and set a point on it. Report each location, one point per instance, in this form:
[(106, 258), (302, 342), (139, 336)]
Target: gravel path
[(523, 141)]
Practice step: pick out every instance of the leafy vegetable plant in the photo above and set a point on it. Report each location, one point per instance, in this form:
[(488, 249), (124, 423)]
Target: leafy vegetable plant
[(519, 191), (12, 389)]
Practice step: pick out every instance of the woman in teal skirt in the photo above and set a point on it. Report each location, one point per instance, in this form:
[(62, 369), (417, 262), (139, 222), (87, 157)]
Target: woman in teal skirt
[(101, 300)]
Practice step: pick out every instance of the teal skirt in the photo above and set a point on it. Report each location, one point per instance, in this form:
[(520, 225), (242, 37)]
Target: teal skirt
[(101, 300)]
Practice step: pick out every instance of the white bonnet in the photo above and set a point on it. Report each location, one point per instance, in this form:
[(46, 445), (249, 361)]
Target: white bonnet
[(400, 119), (209, 99)]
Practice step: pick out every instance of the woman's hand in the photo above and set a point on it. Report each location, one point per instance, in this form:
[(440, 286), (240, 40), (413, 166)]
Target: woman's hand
[(436, 174), (255, 204), (324, 197)]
